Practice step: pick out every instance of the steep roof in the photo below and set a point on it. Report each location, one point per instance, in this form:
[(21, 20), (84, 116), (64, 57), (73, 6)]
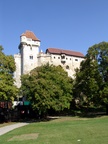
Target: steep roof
[(67, 52), (30, 34)]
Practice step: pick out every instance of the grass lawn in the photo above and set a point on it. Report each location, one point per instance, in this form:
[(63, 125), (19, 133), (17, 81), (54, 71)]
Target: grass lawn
[(64, 130)]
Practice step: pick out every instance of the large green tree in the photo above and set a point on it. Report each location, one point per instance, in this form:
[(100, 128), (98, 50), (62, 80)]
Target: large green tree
[(91, 80), (87, 83), (8, 90), (47, 87)]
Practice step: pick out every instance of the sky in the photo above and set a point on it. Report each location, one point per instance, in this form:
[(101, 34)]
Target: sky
[(67, 24)]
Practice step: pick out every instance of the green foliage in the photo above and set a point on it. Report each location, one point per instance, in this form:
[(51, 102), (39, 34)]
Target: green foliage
[(91, 81), (7, 66), (87, 83), (47, 87), (99, 52)]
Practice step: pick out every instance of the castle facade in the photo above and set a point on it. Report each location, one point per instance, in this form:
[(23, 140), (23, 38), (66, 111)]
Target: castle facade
[(30, 56)]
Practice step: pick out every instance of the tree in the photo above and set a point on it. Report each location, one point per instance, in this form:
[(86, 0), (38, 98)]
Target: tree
[(99, 53), (47, 87), (8, 90), (92, 78), (87, 83)]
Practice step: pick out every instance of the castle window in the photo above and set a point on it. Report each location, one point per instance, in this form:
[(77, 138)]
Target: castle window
[(58, 57), (76, 59), (31, 48), (70, 58), (54, 57), (31, 57), (66, 58), (67, 67), (63, 56)]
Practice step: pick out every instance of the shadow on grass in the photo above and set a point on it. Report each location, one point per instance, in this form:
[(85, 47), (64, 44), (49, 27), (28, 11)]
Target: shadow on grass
[(81, 115), (82, 112)]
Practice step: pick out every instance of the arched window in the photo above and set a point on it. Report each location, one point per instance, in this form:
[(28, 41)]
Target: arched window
[(67, 67)]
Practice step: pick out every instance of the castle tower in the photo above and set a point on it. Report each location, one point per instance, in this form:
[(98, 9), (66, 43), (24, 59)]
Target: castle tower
[(27, 59), (29, 49)]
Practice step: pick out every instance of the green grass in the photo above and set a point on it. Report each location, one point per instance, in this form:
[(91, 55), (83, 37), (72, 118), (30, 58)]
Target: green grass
[(65, 130)]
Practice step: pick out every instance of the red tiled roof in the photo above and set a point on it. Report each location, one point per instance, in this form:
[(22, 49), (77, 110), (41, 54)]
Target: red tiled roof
[(30, 34), (67, 52)]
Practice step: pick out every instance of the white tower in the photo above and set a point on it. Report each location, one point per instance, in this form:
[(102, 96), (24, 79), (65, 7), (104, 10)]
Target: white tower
[(29, 49), (27, 59)]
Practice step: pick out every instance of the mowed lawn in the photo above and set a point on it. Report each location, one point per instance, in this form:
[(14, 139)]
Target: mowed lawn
[(64, 130)]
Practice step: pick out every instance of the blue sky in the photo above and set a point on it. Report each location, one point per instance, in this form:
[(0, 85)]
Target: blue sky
[(68, 24)]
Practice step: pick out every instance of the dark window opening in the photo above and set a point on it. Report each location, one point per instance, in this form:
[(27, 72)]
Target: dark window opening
[(31, 57), (63, 57), (76, 59), (67, 67)]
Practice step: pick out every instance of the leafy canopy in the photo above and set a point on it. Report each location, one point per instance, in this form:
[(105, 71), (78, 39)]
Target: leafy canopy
[(47, 87), (91, 81), (7, 66)]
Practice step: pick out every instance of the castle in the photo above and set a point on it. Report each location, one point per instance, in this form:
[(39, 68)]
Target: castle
[(30, 57)]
